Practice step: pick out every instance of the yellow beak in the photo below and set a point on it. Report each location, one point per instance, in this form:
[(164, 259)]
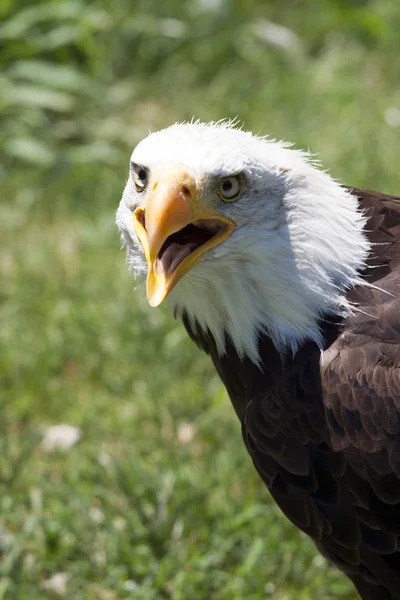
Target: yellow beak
[(174, 207)]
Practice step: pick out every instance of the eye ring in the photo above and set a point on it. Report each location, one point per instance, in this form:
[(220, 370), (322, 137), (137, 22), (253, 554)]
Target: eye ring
[(140, 177), (230, 188)]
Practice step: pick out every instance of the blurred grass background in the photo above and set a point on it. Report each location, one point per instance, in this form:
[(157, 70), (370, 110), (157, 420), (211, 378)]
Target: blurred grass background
[(158, 499)]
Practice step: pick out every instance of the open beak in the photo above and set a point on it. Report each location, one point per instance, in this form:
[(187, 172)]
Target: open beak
[(175, 229)]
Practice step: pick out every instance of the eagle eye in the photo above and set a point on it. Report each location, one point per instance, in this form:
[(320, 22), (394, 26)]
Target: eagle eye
[(229, 188), (140, 177)]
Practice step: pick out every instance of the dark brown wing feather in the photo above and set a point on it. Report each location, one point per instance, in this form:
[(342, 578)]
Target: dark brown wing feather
[(326, 440), (360, 380), (383, 230)]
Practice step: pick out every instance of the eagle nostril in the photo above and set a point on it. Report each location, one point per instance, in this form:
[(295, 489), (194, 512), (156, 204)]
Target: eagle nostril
[(186, 191)]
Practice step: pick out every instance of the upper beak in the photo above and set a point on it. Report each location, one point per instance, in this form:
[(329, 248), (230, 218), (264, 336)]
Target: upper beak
[(172, 205)]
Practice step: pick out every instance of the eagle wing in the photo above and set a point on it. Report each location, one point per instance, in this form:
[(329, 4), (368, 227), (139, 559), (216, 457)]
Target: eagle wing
[(360, 371), (360, 379)]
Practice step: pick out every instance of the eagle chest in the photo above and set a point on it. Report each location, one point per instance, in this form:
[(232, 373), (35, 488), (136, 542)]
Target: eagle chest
[(281, 410)]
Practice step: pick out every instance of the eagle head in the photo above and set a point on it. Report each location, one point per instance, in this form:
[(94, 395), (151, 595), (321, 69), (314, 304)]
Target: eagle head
[(241, 234)]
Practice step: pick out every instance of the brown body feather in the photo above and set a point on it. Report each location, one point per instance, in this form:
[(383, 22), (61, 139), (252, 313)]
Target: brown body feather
[(325, 436)]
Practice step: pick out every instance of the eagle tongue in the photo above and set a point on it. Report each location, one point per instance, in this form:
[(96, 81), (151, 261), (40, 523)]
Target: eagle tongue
[(174, 255)]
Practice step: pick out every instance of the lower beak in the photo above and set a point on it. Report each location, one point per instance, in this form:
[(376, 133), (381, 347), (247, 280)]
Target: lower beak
[(175, 229)]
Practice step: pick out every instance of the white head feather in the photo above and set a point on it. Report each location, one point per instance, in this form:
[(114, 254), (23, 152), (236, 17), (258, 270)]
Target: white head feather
[(297, 247)]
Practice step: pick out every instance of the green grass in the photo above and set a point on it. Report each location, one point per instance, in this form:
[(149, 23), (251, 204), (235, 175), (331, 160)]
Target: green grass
[(136, 509)]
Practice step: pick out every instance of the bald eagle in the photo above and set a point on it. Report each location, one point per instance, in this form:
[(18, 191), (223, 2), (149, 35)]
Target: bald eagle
[(290, 282)]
